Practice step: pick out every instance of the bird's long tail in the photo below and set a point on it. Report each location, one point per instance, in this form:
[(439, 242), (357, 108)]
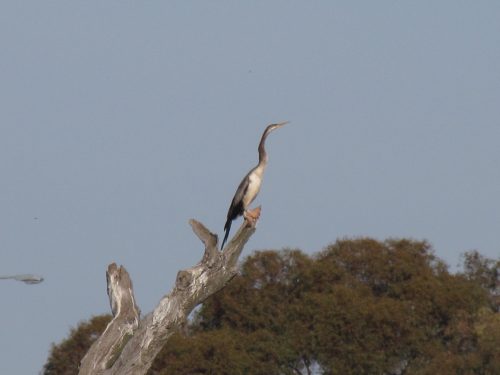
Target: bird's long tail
[(227, 228)]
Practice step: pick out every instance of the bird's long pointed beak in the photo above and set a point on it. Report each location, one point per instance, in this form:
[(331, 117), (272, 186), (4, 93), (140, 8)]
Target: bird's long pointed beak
[(280, 124)]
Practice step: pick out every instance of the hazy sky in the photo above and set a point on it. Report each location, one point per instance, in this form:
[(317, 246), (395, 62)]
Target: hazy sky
[(121, 120)]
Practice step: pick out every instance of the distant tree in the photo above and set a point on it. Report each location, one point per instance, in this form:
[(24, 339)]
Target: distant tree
[(360, 306), (64, 358), (486, 272)]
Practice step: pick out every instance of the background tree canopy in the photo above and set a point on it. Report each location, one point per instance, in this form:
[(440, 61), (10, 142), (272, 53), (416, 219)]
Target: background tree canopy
[(359, 307)]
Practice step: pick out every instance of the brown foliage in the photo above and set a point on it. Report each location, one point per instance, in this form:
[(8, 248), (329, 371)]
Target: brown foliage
[(64, 358), (359, 307)]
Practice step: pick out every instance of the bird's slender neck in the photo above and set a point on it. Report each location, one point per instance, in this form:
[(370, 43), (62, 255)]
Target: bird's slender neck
[(262, 150)]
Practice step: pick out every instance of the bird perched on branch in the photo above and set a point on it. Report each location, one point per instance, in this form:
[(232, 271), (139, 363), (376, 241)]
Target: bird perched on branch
[(249, 186)]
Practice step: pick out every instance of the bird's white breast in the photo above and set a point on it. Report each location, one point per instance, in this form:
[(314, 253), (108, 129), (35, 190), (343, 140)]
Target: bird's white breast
[(255, 180)]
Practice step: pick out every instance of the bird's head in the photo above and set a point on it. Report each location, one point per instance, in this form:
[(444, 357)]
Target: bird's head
[(272, 127), (276, 126)]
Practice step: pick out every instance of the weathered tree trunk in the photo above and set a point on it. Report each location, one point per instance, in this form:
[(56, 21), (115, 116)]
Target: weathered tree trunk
[(129, 345)]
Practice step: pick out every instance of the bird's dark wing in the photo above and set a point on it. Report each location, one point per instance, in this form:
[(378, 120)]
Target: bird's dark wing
[(236, 208)]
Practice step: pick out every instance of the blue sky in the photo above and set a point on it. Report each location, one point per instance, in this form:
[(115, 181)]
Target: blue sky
[(120, 121)]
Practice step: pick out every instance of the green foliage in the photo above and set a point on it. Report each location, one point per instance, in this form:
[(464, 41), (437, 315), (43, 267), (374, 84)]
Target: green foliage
[(359, 307)]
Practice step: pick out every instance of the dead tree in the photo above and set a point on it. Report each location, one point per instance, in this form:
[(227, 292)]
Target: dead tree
[(129, 345)]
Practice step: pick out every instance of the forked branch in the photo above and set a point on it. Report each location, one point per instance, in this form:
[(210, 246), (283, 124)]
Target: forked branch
[(129, 346)]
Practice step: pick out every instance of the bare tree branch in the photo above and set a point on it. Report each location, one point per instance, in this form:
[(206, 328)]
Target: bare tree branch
[(121, 328), (129, 346)]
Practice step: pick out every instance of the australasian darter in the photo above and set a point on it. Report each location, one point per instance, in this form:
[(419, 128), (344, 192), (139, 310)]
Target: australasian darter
[(250, 185)]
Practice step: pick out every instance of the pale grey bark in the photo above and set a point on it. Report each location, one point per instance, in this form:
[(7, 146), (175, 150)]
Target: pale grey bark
[(128, 346)]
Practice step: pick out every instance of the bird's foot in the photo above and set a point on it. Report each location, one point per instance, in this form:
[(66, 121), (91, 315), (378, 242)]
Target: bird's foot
[(251, 216)]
